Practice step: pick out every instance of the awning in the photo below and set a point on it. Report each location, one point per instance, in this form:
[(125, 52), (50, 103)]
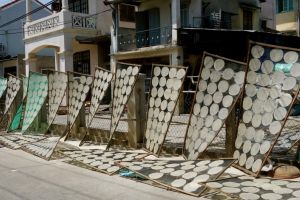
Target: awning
[(93, 40), (130, 2), (251, 4)]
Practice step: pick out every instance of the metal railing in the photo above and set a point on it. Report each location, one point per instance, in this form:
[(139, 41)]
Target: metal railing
[(146, 38)]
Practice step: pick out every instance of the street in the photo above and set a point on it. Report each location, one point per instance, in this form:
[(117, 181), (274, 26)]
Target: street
[(26, 177)]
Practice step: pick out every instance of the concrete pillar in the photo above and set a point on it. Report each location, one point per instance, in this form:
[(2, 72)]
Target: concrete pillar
[(28, 10), (64, 5), (57, 59), (31, 65), (65, 61), (176, 59), (176, 20), (136, 113), (231, 132)]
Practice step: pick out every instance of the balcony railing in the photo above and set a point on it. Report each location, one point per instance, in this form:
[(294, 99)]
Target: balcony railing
[(146, 38), (58, 21), (43, 26), (83, 22)]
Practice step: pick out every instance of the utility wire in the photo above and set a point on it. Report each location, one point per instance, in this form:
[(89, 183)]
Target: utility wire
[(60, 23), (27, 14)]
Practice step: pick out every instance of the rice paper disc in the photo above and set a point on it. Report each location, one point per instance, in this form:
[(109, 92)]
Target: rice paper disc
[(239, 78), (217, 97), (251, 77), (267, 67), (223, 86), (211, 88), (295, 70), (289, 83), (223, 113), (208, 62), (205, 74), (254, 64), (280, 113), (264, 80), (255, 149), (275, 127), (215, 76), (219, 64), (291, 57), (257, 51), (247, 116), (227, 101), (250, 90), (228, 74), (267, 118), (234, 89), (247, 103)]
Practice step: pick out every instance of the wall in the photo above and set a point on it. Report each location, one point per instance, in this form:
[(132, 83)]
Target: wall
[(286, 21), (195, 10), (164, 7), (93, 53), (104, 19), (268, 12), (13, 36)]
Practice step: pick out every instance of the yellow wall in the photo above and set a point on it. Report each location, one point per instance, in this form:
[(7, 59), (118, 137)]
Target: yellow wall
[(93, 53), (286, 21)]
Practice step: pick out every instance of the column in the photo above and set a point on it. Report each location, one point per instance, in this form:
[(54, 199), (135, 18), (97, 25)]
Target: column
[(31, 64), (176, 59), (65, 61), (137, 113), (176, 20), (64, 5), (57, 59), (28, 10)]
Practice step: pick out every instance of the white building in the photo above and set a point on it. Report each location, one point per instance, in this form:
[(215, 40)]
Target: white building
[(78, 34), (12, 48)]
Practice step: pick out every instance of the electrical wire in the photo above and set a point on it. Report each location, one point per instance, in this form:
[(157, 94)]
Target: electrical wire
[(27, 14)]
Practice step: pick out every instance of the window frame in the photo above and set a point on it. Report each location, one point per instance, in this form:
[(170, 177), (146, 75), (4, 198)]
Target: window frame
[(79, 6), (286, 6)]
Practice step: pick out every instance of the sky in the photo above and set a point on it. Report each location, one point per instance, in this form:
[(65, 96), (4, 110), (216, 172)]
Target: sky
[(2, 2)]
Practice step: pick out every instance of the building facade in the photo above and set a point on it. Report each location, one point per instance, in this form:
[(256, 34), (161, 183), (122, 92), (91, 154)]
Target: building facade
[(287, 16), (78, 33), (152, 34), (12, 48)]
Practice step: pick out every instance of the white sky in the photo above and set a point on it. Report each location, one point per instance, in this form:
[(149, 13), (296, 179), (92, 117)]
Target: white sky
[(2, 2)]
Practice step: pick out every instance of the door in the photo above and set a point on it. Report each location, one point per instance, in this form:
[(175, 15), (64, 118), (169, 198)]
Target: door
[(154, 27), (142, 25)]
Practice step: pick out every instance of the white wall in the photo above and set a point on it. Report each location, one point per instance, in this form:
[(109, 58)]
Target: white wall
[(13, 36), (268, 12)]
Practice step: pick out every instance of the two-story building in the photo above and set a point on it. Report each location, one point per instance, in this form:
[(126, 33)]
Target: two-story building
[(78, 32), (12, 48), (154, 30)]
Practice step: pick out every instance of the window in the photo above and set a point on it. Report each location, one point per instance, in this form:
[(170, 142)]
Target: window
[(184, 13), (81, 62), (80, 6), (127, 13), (284, 6), (247, 20)]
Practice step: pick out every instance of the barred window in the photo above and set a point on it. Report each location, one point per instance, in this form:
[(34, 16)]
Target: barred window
[(80, 6)]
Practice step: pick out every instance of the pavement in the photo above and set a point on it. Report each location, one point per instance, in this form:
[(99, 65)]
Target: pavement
[(26, 177)]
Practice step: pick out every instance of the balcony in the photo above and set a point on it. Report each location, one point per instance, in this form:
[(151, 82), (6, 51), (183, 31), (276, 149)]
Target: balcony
[(146, 38), (59, 21)]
